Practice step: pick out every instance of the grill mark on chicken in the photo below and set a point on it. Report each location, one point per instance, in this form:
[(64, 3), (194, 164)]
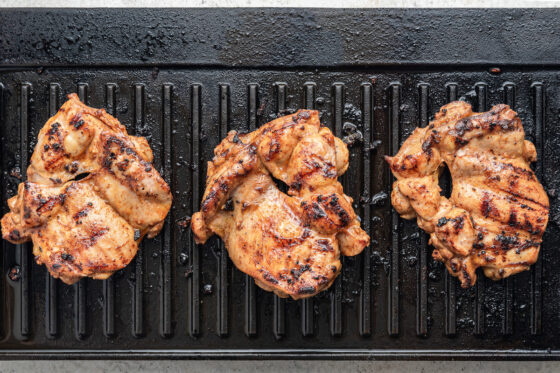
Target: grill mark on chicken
[(498, 211), (289, 242)]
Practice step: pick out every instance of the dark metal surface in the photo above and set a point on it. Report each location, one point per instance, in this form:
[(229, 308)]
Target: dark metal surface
[(183, 78)]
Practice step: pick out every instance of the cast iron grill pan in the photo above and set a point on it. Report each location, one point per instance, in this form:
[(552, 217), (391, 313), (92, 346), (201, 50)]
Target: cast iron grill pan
[(183, 79)]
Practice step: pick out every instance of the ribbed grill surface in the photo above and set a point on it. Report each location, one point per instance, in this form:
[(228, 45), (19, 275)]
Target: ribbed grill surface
[(180, 296)]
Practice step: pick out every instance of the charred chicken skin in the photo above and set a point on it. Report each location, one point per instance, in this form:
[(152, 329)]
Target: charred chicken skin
[(290, 243), (91, 195), (497, 212)]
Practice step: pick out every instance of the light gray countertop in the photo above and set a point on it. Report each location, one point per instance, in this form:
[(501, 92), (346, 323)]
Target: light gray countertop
[(278, 366), (285, 3)]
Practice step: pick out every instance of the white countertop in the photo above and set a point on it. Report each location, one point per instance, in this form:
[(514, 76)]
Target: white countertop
[(279, 366), (285, 3)]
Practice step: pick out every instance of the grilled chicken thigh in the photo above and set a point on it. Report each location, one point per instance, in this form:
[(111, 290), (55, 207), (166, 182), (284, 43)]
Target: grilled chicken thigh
[(498, 210), (91, 195), (290, 243)]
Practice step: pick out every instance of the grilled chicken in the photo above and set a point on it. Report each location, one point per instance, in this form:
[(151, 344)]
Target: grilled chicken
[(91, 195), (497, 212), (290, 243)]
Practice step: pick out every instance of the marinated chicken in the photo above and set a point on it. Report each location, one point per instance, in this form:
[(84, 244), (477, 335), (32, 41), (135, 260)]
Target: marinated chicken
[(90, 197), (497, 212), (289, 242)]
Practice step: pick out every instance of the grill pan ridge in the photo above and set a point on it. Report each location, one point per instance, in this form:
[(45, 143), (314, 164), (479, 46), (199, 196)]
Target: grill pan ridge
[(183, 78)]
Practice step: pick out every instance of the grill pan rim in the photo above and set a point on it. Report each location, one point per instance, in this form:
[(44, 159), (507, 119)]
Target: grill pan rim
[(283, 354)]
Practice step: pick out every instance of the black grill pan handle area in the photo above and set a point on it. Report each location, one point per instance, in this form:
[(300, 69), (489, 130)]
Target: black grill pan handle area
[(183, 78)]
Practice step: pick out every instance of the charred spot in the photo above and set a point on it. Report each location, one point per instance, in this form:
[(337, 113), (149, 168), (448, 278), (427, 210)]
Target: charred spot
[(56, 266), (209, 200), (224, 187), (512, 222), (430, 141), (489, 259), (148, 168), (296, 185), (123, 165), (78, 124), (67, 257), (296, 273), (486, 206), (458, 223), (478, 245), (15, 235), (80, 214), (269, 278), (95, 234), (54, 129), (460, 142), (506, 125), (324, 245), (329, 170), (412, 162), (72, 167), (429, 153), (252, 149), (46, 147), (442, 221), (333, 268), (466, 276), (306, 290), (274, 149), (334, 206), (316, 211), (228, 206), (519, 170), (462, 126), (46, 205), (77, 121), (507, 242), (26, 212)]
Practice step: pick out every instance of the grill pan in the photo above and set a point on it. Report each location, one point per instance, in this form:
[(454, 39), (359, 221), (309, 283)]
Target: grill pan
[(183, 78)]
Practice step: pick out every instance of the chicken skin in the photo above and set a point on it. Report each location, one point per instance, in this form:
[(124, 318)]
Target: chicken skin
[(290, 243), (497, 212), (91, 195)]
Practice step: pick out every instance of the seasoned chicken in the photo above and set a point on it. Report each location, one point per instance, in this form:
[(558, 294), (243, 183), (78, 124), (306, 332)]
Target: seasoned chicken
[(290, 243), (91, 195), (497, 212)]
